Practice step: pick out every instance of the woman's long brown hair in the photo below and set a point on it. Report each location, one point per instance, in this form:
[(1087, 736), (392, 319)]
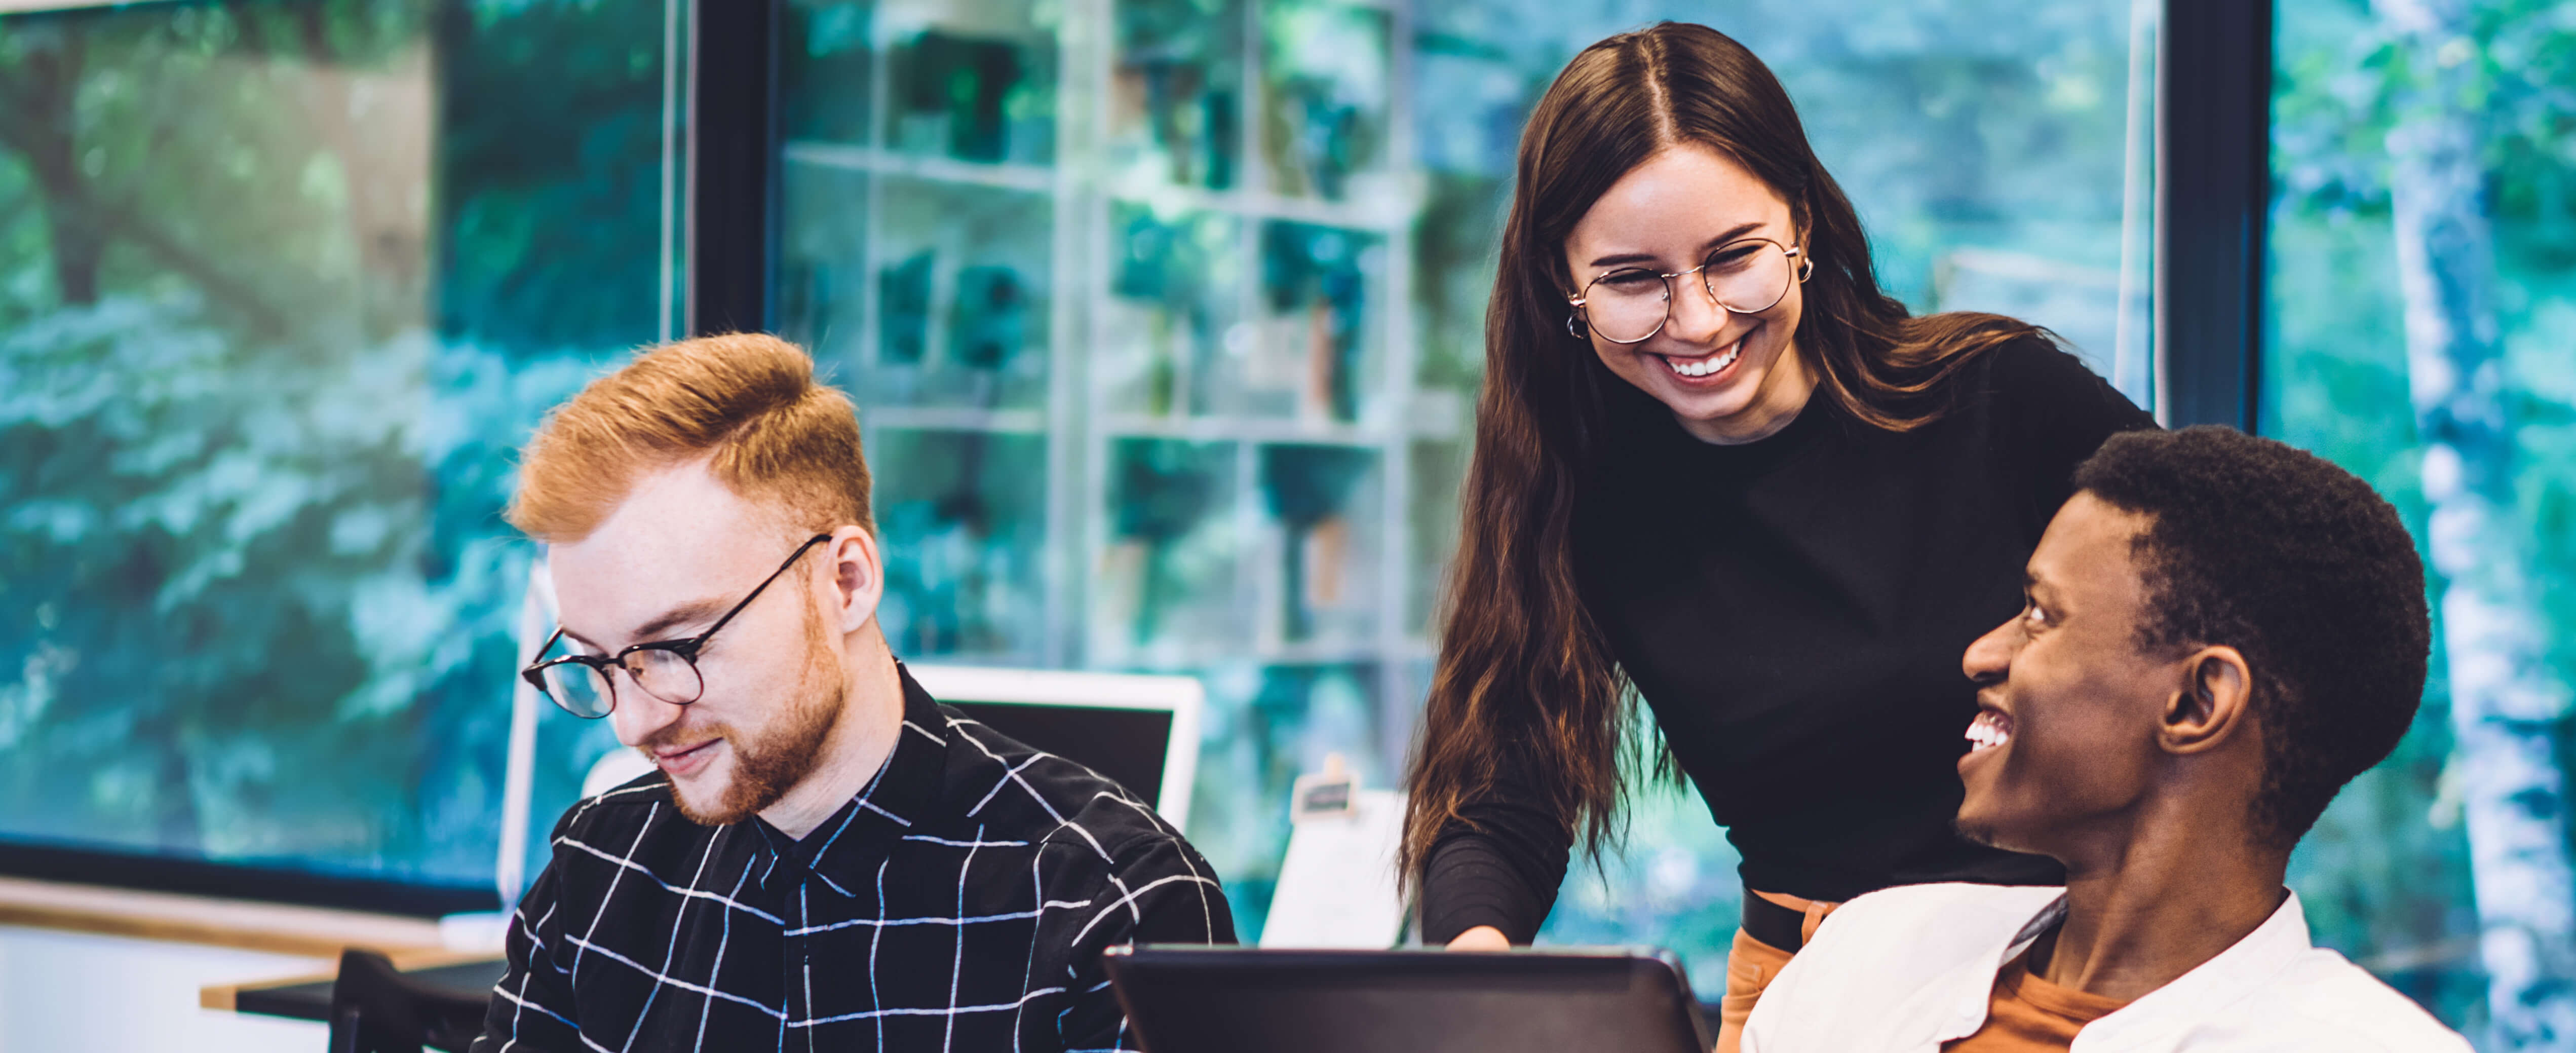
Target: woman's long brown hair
[(1525, 680)]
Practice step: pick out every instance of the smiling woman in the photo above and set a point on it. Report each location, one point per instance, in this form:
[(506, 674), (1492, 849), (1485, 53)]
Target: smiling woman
[(1689, 349), (1768, 500)]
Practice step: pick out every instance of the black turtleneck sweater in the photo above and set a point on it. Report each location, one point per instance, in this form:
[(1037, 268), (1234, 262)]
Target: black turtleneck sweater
[(1794, 610)]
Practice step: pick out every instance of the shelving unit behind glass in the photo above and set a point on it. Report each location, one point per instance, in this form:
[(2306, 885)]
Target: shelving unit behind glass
[(1117, 289)]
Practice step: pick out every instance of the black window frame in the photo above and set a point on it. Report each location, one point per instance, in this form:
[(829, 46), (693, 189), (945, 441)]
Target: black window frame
[(2213, 209)]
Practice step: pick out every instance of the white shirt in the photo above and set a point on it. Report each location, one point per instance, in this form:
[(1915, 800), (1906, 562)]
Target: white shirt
[(1907, 969)]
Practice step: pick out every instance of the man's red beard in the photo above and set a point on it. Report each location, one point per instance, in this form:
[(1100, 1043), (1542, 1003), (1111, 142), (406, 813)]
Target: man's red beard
[(765, 767)]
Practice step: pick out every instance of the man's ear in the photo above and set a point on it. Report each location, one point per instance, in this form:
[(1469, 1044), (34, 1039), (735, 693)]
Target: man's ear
[(858, 575), (2212, 705)]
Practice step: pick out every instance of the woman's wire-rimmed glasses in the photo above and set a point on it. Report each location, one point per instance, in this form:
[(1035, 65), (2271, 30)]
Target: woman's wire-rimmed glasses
[(1630, 305), (664, 669)]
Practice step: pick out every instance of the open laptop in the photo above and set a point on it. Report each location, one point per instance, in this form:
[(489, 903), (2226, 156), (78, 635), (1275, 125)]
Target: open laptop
[(1241, 1000)]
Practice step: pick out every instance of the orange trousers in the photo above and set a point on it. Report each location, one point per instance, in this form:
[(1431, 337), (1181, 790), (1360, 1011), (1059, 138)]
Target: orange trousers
[(1751, 965)]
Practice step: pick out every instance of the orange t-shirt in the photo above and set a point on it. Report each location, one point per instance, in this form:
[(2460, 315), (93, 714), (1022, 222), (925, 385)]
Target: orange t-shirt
[(2027, 1014)]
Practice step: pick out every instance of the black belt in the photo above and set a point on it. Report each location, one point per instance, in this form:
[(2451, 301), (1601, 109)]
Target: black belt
[(1771, 923)]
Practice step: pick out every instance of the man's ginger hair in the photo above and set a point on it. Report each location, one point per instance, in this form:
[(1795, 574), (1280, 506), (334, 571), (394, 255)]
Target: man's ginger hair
[(746, 402)]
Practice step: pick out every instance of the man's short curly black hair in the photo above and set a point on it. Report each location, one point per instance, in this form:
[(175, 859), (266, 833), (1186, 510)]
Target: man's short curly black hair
[(2300, 566)]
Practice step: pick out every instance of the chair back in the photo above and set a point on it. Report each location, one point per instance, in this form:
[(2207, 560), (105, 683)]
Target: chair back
[(376, 1009)]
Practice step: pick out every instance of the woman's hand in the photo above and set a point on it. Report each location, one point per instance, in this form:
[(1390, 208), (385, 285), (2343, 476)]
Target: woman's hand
[(1481, 938)]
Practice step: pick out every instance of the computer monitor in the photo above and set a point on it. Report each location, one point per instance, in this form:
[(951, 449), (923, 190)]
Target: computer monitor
[(1142, 731)]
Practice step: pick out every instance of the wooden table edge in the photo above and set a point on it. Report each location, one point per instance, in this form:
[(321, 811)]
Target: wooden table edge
[(274, 928)]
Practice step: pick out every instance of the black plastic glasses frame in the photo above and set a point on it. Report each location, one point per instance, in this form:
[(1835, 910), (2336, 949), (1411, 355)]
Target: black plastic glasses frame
[(687, 650)]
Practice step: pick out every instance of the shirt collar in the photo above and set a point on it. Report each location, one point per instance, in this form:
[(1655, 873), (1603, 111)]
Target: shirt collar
[(2159, 1017), (904, 794)]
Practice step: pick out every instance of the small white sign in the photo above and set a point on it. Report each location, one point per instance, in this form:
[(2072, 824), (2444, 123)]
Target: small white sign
[(1337, 887)]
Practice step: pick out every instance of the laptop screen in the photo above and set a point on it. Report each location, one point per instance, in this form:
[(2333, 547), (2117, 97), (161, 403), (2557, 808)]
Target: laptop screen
[(1126, 745)]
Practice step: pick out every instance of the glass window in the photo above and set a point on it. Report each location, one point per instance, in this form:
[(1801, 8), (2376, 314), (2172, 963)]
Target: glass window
[(2422, 299), (282, 286), (1166, 339), (1122, 318), (1249, 245)]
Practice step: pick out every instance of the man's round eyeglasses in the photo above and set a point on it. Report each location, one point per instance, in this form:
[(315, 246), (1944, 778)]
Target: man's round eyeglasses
[(664, 669), (1632, 304)]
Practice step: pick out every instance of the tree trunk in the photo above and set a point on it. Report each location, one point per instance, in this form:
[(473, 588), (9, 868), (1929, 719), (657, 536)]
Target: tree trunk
[(375, 116), (2504, 705), (176, 824), (49, 94)]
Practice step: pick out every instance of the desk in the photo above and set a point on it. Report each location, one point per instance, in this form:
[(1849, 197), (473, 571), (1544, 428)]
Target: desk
[(308, 997), (94, 968), (276, 928)]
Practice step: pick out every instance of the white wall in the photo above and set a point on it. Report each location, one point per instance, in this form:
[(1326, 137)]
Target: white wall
[(65, 992)]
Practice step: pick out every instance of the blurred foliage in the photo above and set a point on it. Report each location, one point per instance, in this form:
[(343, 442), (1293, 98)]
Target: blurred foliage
[(283, 285), (1168, 499), (1326, 72), (2386, 874), (1176, 91), (1674, 886), (1173, 298), (826, 76), (963, 528), (1317, 279), (971, 79)]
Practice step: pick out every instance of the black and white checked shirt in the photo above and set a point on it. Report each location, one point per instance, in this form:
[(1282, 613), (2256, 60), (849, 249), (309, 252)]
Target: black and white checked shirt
[(959, 902)]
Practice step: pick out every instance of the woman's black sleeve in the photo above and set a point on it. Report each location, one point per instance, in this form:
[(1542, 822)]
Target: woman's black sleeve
[(2056, 412), (1501, 867)]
